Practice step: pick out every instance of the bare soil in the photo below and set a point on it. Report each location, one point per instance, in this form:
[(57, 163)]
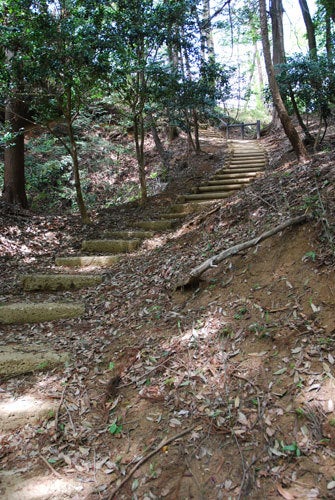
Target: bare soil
[(226, 390)]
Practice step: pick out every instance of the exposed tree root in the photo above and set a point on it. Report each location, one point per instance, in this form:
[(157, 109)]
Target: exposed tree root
[(196, 272)]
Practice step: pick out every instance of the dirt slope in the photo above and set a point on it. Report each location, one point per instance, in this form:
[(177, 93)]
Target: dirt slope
[(223, 391)]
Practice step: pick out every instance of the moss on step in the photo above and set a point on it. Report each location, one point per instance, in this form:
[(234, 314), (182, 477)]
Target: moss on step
[(31, 282), (21, 312)]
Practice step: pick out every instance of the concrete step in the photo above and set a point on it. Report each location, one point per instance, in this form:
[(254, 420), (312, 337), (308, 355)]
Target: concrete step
[(238, 170), (196, 205), (227, 182), (173, 215), (16, 359), (247, 154), (88, 261), (54, 282), (156, 225), (110, 246), (124, 235), (185, 208), (236, 175), (251, 162), (219, 188), (23, 312), (208, 196)]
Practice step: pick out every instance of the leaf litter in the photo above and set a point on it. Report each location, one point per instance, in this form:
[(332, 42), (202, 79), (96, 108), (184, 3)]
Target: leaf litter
[(222, 391)]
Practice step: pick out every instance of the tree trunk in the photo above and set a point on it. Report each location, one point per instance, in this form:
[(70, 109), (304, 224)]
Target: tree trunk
[(196, 132), (278, 47), (310, 29), (206, 32), (164, 156), (284, 117), (139, 145), (75, 168), (75, 163), (14, 176), (329, 44)]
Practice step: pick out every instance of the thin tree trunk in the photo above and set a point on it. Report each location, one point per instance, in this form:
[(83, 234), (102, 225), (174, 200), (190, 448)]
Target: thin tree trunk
[(14, 175), (164, 156), (284, 117), (329, 47), (139, 145), (196, 132), (75, 162)]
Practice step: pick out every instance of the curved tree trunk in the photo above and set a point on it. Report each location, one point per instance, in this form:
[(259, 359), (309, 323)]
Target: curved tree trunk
[(284, 117), (14, 191)]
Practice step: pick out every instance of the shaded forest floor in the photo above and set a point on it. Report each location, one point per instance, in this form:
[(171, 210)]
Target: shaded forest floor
[(223, 391)]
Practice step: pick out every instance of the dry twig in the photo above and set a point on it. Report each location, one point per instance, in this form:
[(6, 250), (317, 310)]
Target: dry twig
[(163, 443)]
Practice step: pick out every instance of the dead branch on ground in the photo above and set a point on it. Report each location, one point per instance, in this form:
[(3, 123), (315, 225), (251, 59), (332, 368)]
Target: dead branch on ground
[(196, 272)]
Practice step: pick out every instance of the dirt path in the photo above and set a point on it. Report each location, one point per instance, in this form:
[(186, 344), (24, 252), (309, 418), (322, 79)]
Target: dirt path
[(223, 391)]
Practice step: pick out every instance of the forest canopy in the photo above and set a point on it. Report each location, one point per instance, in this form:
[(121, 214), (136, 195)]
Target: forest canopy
[(151, 66)]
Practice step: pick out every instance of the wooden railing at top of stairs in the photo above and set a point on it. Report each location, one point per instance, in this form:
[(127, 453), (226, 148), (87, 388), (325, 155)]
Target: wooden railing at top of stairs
[(242, 126)]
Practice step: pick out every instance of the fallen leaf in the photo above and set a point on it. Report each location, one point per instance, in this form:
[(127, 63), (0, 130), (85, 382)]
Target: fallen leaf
[(284, 493), (281, 371)]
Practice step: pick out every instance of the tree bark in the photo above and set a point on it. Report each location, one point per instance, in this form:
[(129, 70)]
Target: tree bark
[(284, 117), (14, 191), (310, 28), (139, 145), (75, 162), (164, 156)]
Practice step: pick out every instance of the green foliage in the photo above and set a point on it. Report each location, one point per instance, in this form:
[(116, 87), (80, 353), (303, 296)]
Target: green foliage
[(312, 81)]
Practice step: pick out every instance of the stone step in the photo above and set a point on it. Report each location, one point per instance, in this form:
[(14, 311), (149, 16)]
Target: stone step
[(252, 162), (17, 359), (110, 246), (234, 182), (124, 235), (237, 171), (173, 215), (18, 411), (236, 175), (23, 312), (54, 282), (156, 225), (185, 208), (250, 152), (219, 188), (240, 170), (208, 196), (88, 261)]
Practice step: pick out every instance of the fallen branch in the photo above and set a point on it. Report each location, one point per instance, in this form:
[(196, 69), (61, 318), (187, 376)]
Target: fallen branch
[(212, 261), (50, 467), (163, 443)]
